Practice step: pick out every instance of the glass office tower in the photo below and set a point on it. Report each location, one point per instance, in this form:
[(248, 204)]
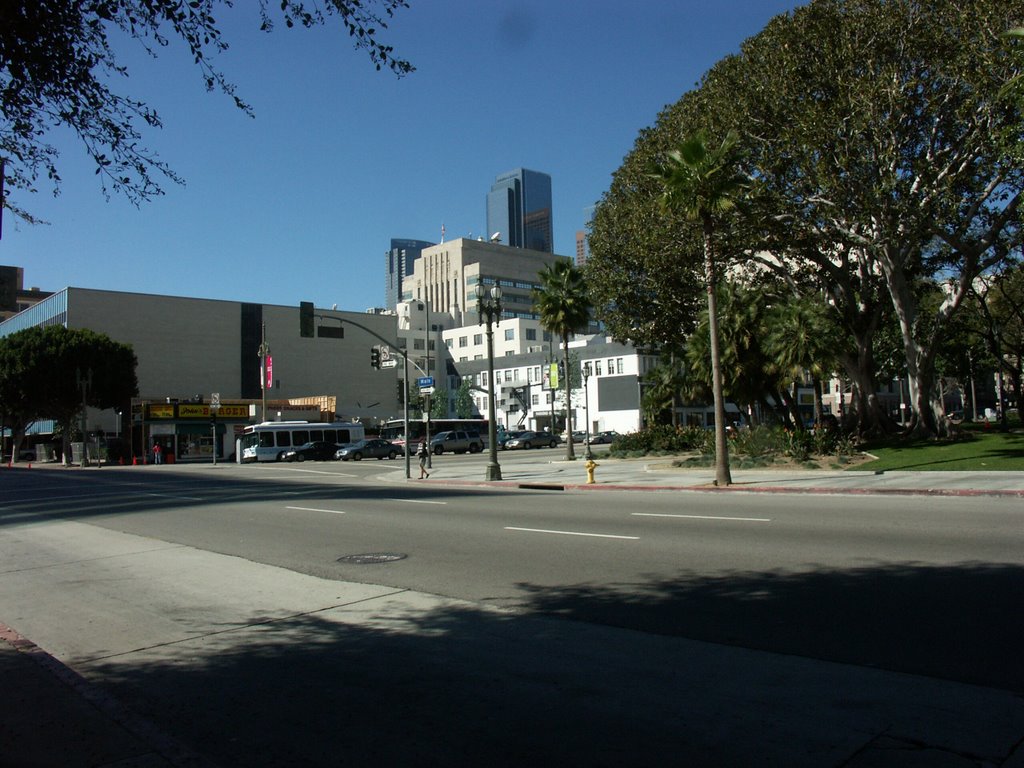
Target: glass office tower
[(399, 263), (519, 210)]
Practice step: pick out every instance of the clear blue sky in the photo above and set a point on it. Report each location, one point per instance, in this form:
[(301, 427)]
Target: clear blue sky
[(300, 203)]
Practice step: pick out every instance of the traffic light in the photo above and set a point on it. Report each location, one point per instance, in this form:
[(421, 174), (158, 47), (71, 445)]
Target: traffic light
[(375, 357), (306, 323)]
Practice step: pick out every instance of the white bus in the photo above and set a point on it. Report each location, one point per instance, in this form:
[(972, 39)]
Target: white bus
[(269, 441)]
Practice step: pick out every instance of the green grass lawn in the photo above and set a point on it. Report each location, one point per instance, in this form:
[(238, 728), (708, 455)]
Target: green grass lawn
[(982, 449)]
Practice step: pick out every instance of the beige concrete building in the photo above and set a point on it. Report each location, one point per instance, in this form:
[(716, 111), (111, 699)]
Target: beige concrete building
[(446, 276)]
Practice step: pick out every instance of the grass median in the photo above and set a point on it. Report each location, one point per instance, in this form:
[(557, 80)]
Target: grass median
[(979, 448)]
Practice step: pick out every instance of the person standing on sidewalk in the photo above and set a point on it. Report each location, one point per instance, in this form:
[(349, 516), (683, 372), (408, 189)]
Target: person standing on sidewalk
[(158, 453), (421, 452)]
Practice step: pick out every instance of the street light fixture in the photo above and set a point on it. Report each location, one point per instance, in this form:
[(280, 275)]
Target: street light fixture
[(488, 305), (586, 400)]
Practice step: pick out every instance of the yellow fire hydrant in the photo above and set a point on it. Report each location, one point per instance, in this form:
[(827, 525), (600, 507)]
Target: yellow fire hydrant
[(591, 465)]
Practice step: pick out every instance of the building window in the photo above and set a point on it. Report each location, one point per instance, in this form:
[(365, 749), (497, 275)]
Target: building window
[(546, 336), (417, 343), (463, 341), (597, 367), (535, 400), (531, 334), (448, 343), (510, 334), (611, 366), (478, 338), (618, 366)]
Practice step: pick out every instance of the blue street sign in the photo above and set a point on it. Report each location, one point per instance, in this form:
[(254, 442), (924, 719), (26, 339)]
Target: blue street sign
[(425, 381)]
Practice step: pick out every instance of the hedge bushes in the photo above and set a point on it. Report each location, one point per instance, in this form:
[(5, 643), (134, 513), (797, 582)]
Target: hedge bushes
[(760, 445)]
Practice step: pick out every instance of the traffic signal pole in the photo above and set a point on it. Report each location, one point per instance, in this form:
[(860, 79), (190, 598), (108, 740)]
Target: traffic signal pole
[(405, 373)]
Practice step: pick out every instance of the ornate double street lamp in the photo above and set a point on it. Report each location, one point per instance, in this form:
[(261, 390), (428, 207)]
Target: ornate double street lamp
[(488, 305)]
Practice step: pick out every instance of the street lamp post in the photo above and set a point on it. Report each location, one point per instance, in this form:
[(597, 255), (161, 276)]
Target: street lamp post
[(489, 306), (586, 405), (264, 351)]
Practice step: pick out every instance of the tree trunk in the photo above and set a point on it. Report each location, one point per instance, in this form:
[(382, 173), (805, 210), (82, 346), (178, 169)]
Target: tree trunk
[(722, 475)]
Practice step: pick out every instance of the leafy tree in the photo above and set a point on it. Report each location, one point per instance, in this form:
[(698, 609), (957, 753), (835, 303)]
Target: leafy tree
[(42, 371), (702, 183), (879, 126), (564, 308), (464, 408), (883, 150), (57, 60), (1000, 300)]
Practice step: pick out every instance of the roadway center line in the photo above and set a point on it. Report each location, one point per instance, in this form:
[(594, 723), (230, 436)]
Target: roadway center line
[(572, 533), (706, 517), (314, 509)]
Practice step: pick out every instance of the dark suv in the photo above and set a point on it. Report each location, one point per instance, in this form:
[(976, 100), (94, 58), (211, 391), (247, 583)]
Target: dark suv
[(456, 442)]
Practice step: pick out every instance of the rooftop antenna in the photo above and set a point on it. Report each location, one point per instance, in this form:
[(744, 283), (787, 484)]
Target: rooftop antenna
[(496, 237)]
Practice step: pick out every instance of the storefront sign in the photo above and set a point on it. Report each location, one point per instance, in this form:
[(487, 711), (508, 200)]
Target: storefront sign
[(161, 411)]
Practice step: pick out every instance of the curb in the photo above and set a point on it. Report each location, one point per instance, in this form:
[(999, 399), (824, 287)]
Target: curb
[(706, 488)]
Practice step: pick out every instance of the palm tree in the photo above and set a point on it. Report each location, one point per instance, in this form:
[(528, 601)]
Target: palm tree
[(800, 338), (702, 183), (563, 304)]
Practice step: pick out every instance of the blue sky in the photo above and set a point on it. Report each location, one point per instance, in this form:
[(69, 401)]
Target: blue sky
[(300, 203)]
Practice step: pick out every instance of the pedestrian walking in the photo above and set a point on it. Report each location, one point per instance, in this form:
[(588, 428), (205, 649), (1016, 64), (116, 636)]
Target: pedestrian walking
[(422, 452)]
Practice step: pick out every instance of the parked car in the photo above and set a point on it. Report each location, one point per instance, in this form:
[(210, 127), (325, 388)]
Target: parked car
[(526, 440), (456, 441), (504, 437), (609, 436), (318, 450), (371, 448), (579, 435)]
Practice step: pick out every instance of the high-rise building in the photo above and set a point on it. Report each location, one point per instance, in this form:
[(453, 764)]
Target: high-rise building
[(399, 263), (519, 210), (582, 248)]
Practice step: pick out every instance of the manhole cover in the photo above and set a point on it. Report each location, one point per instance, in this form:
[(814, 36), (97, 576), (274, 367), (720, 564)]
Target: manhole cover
[(371, 558)]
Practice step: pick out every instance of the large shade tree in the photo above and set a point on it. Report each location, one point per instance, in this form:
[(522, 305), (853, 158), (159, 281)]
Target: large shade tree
[(53, 372), (883, 148), (564, 307), (878, 129), (59, 69)]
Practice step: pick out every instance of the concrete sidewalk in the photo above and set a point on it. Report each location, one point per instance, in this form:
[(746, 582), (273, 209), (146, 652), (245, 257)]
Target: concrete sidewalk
[(549, 468)]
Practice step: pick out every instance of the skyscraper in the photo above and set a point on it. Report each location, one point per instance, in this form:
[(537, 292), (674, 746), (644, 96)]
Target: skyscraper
[(519, 210), (399, 263)]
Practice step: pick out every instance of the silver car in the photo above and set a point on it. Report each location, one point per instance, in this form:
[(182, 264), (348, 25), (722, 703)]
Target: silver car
[(371, 448)]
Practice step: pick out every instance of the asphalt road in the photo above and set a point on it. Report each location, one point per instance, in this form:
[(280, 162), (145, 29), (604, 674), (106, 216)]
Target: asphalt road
[(923, 585)]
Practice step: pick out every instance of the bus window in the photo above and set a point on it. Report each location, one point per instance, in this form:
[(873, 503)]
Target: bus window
[(300, 436), (316, 435), (331, 435), (266, 439), (343, 436), (284, 439)]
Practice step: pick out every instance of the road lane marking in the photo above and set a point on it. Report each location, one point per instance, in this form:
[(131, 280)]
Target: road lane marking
[(706, 517), (174, 496), (572, 533), (314, 509), (420, 501)]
